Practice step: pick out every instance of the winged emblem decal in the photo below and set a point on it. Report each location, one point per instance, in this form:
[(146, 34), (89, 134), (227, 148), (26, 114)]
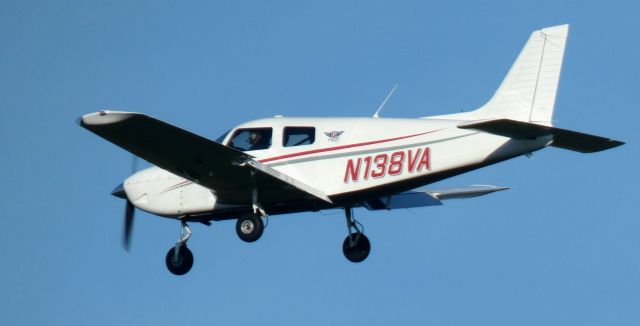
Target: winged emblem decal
[(334, 136)]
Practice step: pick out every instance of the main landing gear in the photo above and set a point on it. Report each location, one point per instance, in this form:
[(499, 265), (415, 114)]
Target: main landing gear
[(356, 245), (250, 227), (179, 258)]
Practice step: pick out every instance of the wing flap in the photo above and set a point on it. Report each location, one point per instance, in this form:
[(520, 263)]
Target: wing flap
[(230, 173), (562, 138), (287, 180)]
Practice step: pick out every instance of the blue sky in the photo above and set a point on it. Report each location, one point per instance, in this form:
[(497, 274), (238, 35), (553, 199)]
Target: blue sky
[(560, 248)]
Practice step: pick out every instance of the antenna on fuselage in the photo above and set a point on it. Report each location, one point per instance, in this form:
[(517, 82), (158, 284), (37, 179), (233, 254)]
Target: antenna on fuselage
[(377, 114)]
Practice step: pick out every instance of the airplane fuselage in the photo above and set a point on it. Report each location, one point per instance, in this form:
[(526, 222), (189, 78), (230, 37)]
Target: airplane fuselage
[(349, 159)]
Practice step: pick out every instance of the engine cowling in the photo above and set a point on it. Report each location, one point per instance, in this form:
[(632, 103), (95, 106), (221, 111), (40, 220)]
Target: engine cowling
[(161, 192)]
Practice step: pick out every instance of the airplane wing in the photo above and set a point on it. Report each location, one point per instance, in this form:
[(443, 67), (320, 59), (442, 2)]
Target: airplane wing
[(562, 138), (230, 173), (432, 197)]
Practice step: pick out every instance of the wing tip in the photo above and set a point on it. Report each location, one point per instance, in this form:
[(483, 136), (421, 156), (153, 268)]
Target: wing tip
[(103, 117), (616, 143)]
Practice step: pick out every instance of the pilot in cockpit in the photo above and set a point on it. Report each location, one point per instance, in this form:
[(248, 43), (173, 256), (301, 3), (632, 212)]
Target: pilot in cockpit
[(257, 140)]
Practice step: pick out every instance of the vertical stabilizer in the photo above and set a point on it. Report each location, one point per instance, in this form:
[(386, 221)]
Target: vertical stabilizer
[(528, 92)]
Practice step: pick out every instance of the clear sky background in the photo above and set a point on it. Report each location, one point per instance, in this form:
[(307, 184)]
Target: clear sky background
[(561, 248)]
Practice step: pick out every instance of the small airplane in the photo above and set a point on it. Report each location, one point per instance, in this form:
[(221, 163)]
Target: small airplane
[(284, 165)]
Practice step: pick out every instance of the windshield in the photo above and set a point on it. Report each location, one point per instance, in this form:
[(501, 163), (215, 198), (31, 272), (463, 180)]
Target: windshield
[(221, 138)]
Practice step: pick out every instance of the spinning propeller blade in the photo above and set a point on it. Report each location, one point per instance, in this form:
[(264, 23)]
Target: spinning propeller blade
[(128, 225), (129, 209)]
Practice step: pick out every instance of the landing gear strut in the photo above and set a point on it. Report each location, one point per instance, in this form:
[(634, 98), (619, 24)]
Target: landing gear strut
[(356, 246), (179, 258)]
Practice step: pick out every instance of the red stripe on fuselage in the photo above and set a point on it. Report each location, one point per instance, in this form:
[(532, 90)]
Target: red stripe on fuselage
[(329, 149)]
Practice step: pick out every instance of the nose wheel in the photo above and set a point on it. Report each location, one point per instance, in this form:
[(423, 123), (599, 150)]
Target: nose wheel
[(356, 245), (179, 262), (179, 258)]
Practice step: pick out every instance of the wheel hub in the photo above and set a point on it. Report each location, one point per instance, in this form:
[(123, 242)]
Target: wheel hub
[(181, 263), (176, 261), (247, 227)]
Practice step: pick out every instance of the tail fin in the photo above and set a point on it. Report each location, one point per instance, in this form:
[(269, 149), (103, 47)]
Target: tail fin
[(528, 92)]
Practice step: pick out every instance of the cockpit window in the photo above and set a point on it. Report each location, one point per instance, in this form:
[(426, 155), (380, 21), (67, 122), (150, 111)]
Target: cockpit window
[(296, 136), (251, 139), (221, 138)]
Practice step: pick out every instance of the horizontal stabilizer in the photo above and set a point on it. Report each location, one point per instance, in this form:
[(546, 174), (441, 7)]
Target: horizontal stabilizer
[(416, 198), (562, 138)]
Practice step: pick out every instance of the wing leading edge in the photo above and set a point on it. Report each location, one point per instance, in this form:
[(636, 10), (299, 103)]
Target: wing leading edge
[(231, 174)]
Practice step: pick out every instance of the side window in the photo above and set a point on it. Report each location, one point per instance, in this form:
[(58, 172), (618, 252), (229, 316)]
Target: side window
[(296, 136), (251, 139)]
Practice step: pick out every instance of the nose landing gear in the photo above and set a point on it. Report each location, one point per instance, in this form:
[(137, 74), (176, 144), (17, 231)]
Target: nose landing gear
[(356, 245), (179, 258)]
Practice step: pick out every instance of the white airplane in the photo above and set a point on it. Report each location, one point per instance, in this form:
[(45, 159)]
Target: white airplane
[(283, 165)]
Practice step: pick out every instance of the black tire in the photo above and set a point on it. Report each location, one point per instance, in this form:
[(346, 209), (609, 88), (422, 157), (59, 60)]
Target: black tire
[(249, 228), (183, 263), (359, 251)]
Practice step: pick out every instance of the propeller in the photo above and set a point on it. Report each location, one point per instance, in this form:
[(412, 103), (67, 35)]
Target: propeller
[(128, 224), (129, 209)]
